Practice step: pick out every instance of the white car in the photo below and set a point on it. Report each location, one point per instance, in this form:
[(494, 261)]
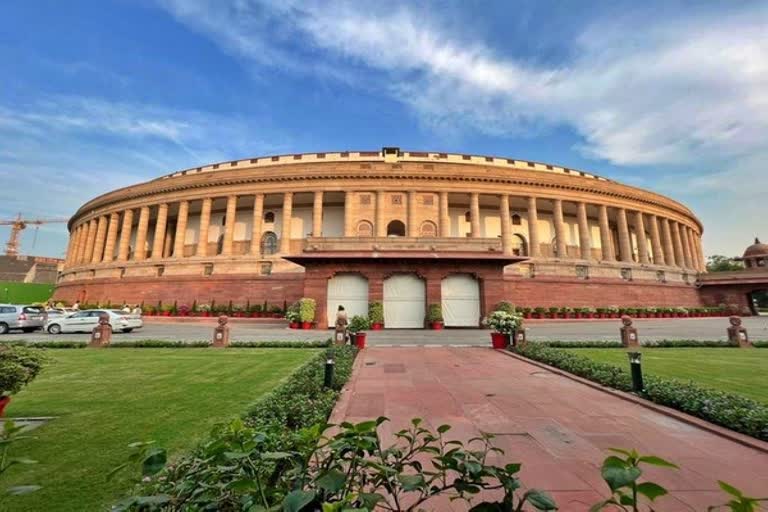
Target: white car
[(85, 321)]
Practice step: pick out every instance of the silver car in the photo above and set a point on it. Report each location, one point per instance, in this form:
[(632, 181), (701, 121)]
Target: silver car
[(85, 321), (19, 317)]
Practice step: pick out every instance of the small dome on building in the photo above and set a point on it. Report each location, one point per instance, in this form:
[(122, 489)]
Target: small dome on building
[(756, 250)]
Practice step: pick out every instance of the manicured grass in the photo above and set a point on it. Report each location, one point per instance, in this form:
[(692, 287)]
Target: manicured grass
[(726, 369), (24, 293), (105, 399)]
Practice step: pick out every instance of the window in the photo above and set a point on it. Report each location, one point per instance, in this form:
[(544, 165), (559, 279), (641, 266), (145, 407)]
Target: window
[(468, 216), (661, 276), (220, 244), (626, 274), (208, 269), (268, 243), (396, 228), (269, 217), (160, 270), (582, 271), (266, 268), (516, 220), (364, 229), (428, 229), (397, 199)]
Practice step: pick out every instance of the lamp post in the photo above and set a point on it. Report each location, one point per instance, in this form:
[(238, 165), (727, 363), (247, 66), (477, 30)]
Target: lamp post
[(329, 367), (636, 371)]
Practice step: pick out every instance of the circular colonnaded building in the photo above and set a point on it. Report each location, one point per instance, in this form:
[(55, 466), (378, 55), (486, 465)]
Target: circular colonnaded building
[(404, 228)]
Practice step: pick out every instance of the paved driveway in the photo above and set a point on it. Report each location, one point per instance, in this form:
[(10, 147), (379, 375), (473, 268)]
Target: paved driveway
[(560, 430)]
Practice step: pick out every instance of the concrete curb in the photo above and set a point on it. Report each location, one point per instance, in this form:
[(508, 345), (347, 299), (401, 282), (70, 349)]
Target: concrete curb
[(736, 437)]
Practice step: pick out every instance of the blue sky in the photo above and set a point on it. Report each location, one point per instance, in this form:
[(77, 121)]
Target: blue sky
[(671, 96)]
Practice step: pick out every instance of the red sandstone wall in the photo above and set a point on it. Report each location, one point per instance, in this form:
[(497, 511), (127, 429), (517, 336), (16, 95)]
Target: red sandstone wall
[(735, 294)]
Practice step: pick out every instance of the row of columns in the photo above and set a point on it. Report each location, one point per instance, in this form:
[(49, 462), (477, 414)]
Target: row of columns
[(672, 243)]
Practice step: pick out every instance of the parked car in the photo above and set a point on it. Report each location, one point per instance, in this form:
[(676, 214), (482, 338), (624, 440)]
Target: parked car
[(19, 317), (85, 321), (51, 314)]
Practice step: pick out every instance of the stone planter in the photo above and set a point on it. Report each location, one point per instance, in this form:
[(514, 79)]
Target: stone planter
[(499, 340)]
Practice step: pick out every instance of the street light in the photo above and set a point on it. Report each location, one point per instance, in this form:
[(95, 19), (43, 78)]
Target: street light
[(329, 366), (637, 371)]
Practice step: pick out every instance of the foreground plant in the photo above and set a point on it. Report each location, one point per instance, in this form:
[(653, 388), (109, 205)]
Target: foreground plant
[(9, 435)]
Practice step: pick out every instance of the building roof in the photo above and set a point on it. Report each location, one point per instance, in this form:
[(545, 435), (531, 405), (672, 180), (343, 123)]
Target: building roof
[(756, 250)]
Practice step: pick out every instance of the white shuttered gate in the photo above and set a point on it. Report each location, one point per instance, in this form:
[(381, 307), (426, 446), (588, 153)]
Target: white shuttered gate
[(350, 291), (461, 301), (405, 298)]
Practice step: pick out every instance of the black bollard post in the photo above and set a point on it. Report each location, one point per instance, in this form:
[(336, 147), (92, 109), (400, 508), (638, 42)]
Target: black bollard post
[(329, 366), (636, 371)]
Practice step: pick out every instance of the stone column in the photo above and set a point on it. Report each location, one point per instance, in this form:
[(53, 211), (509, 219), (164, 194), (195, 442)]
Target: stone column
[(605, 235), (534, 246), (413, 228), (256, 227), (73, 237), (70, 245), (181, 229), (642, 240), (160, 224), (678, 244), (688, 247), (205, 222), (585, 240), (285, 238), (140, 252), (658, 254), (700, 252), (77, 235), (317, 214), (625, 244), (348, 227), (381, 228), (229, 226), (669, 250), (561, 247), (474, 214), (101, 238), (445, 217), (109, 248), (125, 236), (506, 225), (91, 241)]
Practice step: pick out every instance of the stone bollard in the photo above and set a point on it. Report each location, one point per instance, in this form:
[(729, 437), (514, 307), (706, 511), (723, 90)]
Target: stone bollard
[(101, 336), (221, 333), (628, 333), (519, 340), (737, 333)]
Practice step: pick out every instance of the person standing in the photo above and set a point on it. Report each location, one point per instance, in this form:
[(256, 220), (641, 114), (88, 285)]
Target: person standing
[(340, 334)]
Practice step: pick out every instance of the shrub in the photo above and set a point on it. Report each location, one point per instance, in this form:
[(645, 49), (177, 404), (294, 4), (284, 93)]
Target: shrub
[(358, 324), (435, 313), (580, 344), (307, 309), (505, 323), (505, 306), (376, 312), (292, 313), (280, 344), (18, 367)]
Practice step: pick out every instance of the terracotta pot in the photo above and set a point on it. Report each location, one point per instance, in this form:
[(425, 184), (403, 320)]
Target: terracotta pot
[(293, 325), (437, 326), (4, 401), (578, 316), (527, 316), (306, 325), (360, 340), (377, 326), (499, 340)]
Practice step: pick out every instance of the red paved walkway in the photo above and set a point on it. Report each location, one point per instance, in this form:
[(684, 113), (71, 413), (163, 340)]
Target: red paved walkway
[(558, 429)]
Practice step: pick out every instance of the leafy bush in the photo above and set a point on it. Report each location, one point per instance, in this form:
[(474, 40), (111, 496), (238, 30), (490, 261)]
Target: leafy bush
[(376, 312), (18, 367), (292, 313), (689, 343), (307, 309), (727, 409), (580, 344), (435, 313), (358, 324), (505, 306), (280, 344), (159, 344), (505, 323)]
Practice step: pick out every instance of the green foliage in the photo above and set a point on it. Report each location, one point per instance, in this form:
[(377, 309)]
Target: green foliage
[(727, 409), (376, 312), (506, 307), (689, 343), (280, 344), (18, 367), (25, 293), (9, 435), (307, 309), (738, 502), (720, 263), (435, 313), (292, 313), (358, 324), (503, 322), (580, 344)]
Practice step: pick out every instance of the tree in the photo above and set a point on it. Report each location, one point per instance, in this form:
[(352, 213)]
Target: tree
[(719, 263)]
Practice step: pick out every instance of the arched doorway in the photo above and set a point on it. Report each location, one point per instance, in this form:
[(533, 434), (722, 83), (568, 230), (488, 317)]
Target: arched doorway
[(519, 245), (364, 229), (758, 302), (461, 300), (405, 298), (428, 229), (350, 291), (396, 228), (268, 243)]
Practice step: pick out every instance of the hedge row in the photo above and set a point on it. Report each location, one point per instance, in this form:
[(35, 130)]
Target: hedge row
[(647, 344), (171, 344), (727, 409)]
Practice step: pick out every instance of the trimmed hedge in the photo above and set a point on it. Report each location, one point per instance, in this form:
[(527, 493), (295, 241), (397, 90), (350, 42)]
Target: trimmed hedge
[(280, 344), (170, 344), (579, 344), (726, 409), (647, 344)]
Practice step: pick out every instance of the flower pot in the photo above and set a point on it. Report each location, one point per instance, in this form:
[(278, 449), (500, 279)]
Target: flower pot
[(527, 316), (437, 326), (166, 313), (293, 325), (360, 340), (377, 326), (578, 316), (306, 325), (4, 401), (499, 340), (206, 314)]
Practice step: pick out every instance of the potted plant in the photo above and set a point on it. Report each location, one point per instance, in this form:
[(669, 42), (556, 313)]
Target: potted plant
[(18, 367), (504, 326), (293, 316), (276, 312), (553, 311), (183, 310), (505, 306), (527, 313), (539, 312), (435, 316), (205, 310), (306, 312), (357, 327), (148, 310), (566, 312), (613, 311), (376, 315)]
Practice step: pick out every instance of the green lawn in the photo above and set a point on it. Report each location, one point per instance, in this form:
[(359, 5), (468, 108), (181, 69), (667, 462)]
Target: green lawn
[(105, 399), (25, 293), (727, 369)]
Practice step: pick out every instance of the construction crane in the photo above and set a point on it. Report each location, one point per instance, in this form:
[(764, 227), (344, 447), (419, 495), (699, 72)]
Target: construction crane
[(17, 226)]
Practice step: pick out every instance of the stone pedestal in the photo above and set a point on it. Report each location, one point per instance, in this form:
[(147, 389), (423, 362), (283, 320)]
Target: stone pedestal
[(101, 336), (737, 333), (221, 333), (628, 333), (519, 339)]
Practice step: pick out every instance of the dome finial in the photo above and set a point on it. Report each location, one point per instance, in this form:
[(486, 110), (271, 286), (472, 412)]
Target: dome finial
[(757, 240)]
